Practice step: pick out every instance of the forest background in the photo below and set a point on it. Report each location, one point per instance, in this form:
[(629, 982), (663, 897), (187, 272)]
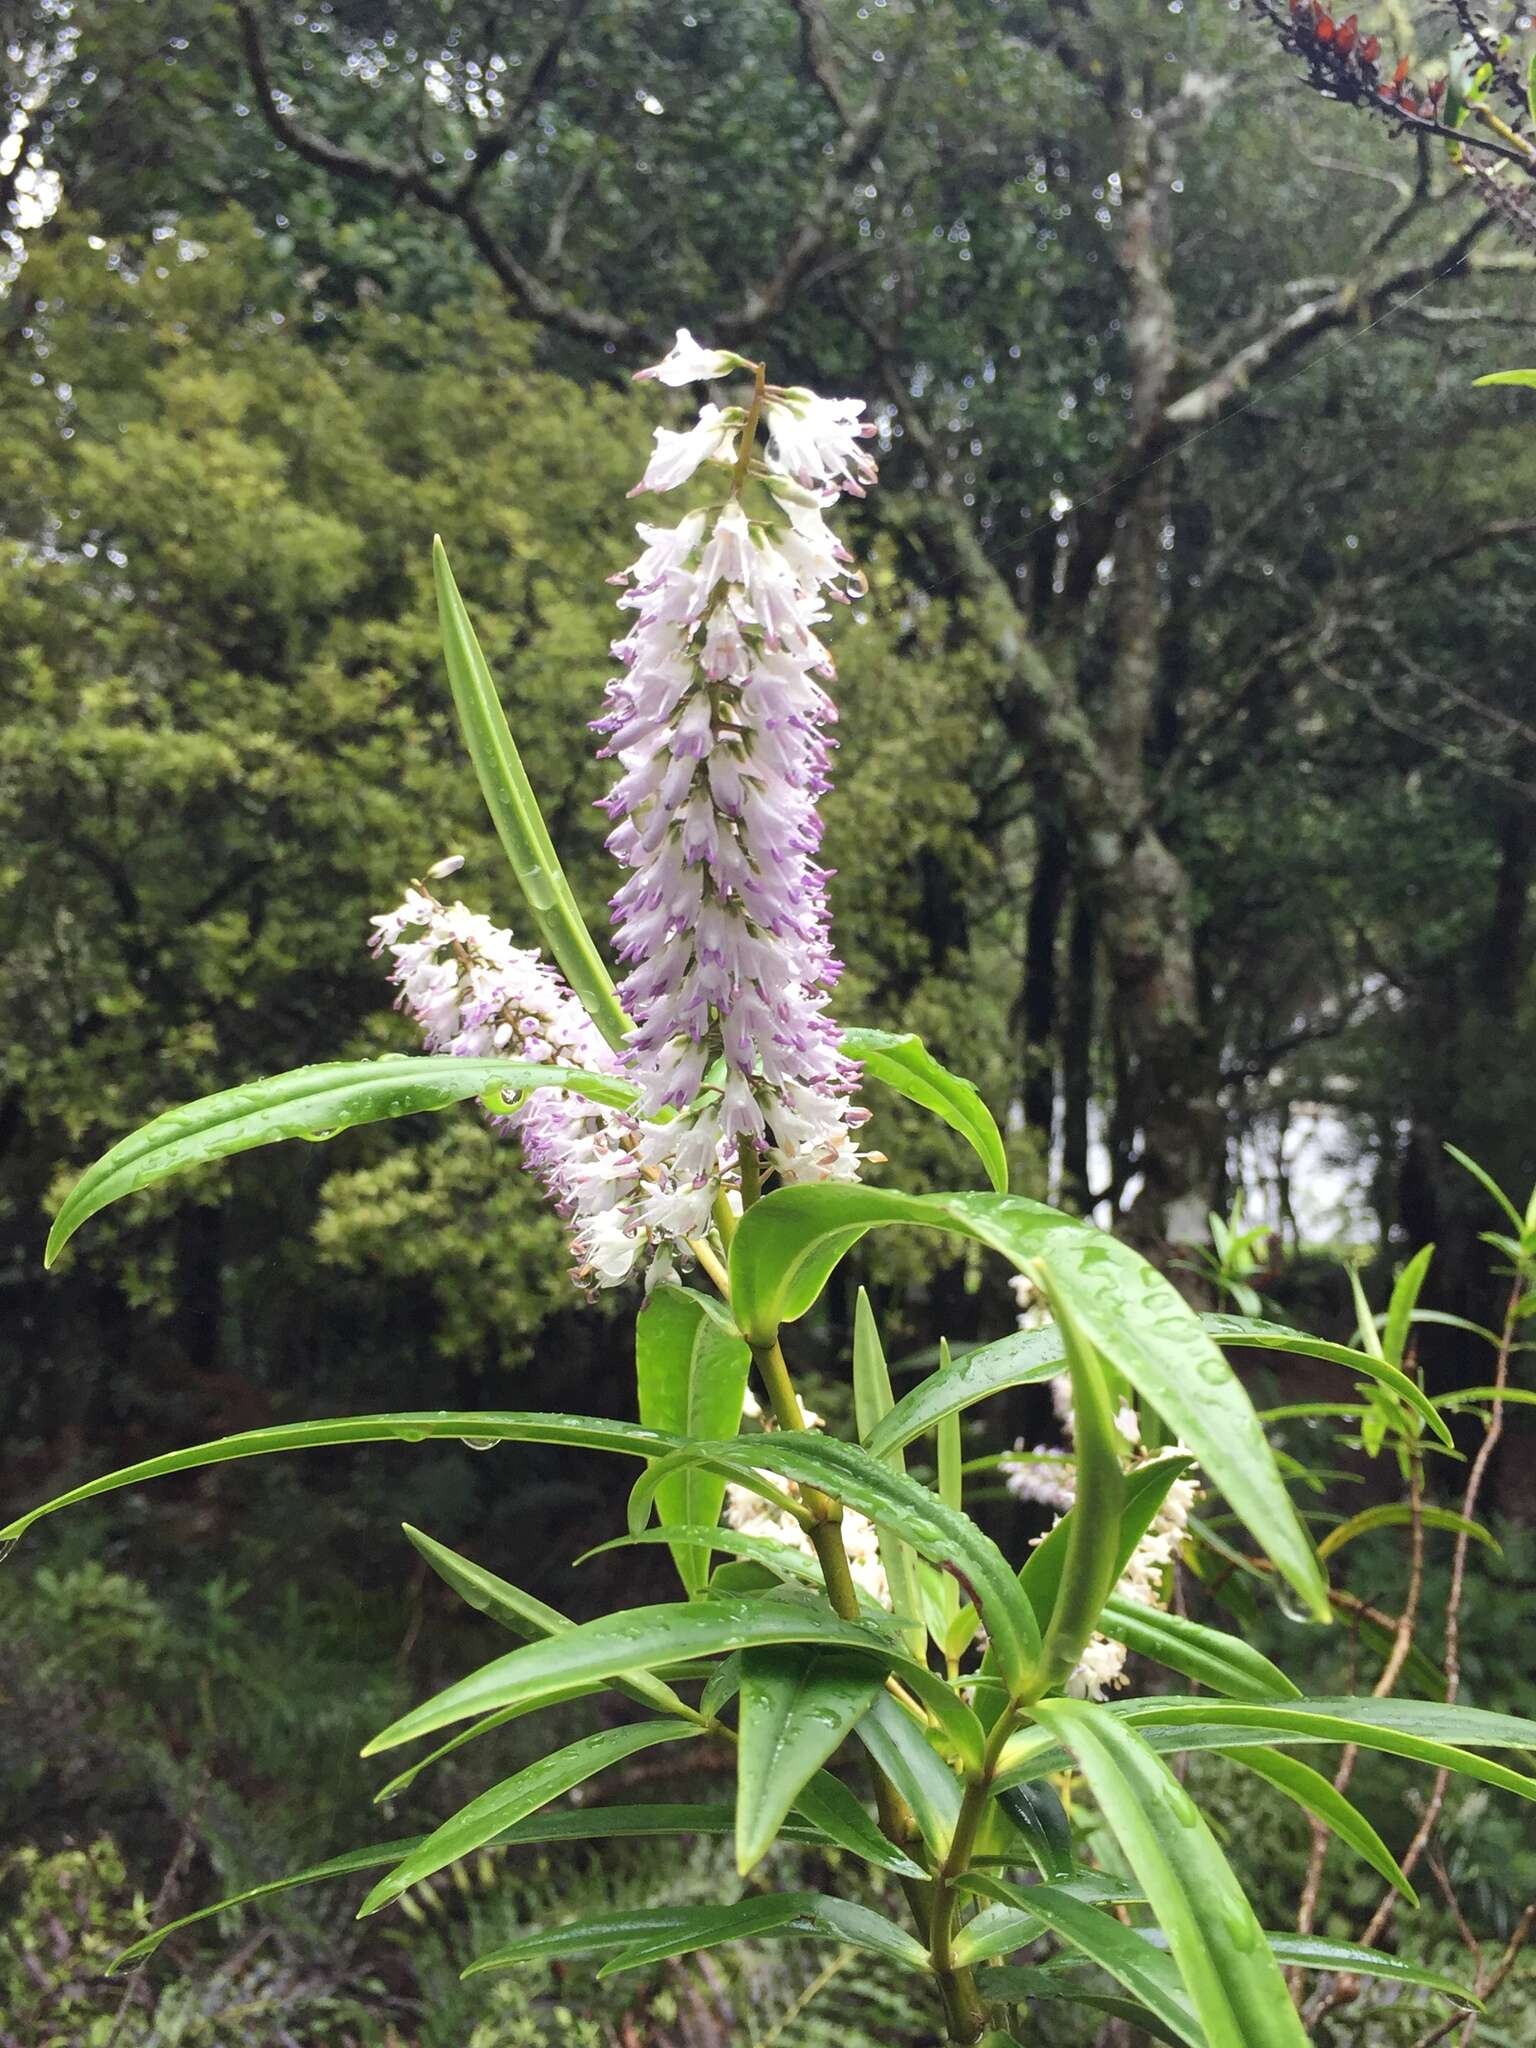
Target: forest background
[(1186, 796)]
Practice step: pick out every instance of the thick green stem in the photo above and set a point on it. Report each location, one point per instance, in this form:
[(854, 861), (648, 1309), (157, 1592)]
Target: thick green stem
[(959, 1986)]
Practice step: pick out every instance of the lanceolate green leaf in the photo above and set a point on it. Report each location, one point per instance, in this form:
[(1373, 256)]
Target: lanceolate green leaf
[(1405, 1296), (797, 1704), (789, 1242), (1021, 1360), (691, 1368), (1225, 1663), (708, 1926), (1015, 1986), (1396, 1515), (1146, 1488), (636, 1639), (526, 1616), (1089, 1565), (594, 1934), (371, 1858), (1310, 1789), (1252, 1333), (1233, 1982), (515, 812), (516, 1797), (904, 1063), (887, 1498), (901, 1749), (1315, 1952), (472, 1425), (1424, 1731), (310, 1102), (1103, 1939), (1041, 1819), (838, 1815)]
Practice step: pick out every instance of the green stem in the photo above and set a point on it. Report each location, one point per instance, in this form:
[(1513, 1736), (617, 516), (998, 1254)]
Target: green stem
[(962, 2000), (749, 428)]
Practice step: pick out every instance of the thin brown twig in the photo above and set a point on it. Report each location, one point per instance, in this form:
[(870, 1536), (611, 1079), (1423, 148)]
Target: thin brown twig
[(1391, 1671), (1343, 1988), (1525, 1926)]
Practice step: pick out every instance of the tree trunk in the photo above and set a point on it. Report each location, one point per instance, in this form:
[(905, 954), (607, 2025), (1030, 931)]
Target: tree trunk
[(1042, 1000)]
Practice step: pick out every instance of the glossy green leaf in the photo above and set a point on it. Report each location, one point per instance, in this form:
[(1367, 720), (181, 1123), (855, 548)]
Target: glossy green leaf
[(1311, 1790), (593, 1934), (310, 1102), (478, 1426), (788, 1243), (1527, 378), (1398, 1514), (1016, 1985), (1469, 1165), (951, 1490), (837, 1813), (1090, 1561), (708, 1926), (1146, 1488), (1117, 1949), (1252, 1333), (903, 1752), (636, 1639), (859, 1926), (1022, 1360), (1316, 1952), (1475, 1396), (691, 1367), (851, 1475), (1424, 1731), (515, 812), (1232, 1980), (797, 1705), (403, 1780), (1041, 1819), (525, 1616), (371, 1858), (903, 1062), (1405, 1297), (515, 1798), (872, 1402), (1225, 1663)]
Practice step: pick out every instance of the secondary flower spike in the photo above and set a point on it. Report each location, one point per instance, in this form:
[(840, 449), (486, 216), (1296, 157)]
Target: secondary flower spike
[(719, 724), (474, 992)]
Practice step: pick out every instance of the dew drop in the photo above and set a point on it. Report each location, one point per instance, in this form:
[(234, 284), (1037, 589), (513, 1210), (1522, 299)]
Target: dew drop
[(1180, 1806), (478, 1443), (1242, 1929)]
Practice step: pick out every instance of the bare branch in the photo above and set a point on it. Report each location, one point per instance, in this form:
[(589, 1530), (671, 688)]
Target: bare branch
[(1352, 303), (491, 148), (414, 181)]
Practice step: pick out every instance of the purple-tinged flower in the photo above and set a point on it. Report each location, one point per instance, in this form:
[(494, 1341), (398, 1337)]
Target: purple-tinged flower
[(687, 363), (719, 725), (712, 438), (475, 993)]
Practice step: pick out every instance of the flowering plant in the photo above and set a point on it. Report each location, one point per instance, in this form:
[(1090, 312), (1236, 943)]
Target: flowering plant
[(698, 1127)]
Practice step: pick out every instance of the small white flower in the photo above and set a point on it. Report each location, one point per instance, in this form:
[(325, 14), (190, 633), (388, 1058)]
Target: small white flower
[(689, 362), (712, 438)]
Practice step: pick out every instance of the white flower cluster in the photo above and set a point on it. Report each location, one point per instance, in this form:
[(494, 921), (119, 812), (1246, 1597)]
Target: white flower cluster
[(718, 724), (475, 993), (1047, 1476), (750, 1515)]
